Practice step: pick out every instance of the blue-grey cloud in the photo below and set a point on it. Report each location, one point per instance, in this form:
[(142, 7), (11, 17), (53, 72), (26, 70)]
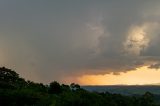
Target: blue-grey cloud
[(51, 40)]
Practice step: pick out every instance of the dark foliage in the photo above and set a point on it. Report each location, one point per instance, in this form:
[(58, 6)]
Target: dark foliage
[(54, 88), (15, 91)]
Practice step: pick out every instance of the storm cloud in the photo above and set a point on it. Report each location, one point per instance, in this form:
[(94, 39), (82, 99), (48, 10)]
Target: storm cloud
[(53, 40)]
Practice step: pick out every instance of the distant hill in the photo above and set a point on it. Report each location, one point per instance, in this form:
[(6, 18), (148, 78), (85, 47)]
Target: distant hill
[(125, 89)]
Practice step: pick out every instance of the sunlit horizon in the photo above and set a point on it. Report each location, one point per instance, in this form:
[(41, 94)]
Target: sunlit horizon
[(140, 76)]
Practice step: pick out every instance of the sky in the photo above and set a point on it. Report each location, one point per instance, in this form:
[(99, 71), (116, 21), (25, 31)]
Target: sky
[(90, 42)]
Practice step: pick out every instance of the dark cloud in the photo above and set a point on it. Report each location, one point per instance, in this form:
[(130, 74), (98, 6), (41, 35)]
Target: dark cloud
[(54, 40), (155, 66)]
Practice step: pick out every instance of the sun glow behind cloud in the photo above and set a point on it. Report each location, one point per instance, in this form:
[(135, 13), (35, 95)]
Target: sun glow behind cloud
[(141, 76), (137, 39)]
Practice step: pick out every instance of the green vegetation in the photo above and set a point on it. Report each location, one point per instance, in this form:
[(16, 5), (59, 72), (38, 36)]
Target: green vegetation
[(16, 91)]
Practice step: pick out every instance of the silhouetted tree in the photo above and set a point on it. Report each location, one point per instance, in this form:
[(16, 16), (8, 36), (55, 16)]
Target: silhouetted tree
[(147, 99), (65, 88), (10, 79), (54, 88), (74, 86), (7, 75)]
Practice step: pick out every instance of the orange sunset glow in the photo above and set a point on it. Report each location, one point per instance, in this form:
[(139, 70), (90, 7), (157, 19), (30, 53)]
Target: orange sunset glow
[(141, 76)]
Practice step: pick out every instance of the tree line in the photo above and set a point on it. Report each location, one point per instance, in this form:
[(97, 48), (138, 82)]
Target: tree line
[(16, 91)]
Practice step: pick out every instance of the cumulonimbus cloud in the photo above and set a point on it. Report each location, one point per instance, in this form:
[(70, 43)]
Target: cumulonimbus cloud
[(52, 40)]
